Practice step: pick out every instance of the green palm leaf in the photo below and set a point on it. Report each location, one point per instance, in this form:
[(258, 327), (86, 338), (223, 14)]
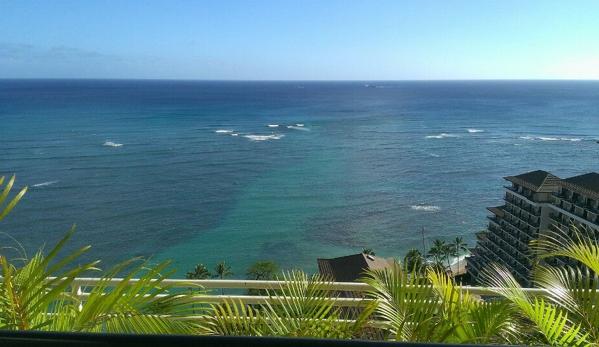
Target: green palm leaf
[(144, 305), (548, 320), (407, 305)]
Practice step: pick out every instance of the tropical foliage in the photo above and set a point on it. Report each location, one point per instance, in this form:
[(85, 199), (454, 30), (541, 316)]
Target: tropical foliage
[(304, 306), (37, 294), (200, 272), (262, 270)]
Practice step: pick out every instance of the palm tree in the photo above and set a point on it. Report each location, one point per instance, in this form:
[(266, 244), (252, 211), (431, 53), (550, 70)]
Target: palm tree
[(437, 251), (200, 272), (457, 247), (447, 254), (221, 271), (413, 260)]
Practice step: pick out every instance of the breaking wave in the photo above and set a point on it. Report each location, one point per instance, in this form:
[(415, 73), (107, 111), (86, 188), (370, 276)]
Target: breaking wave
[(297, 127), (475, 131), (440, 136), (548, 138), (263, 137), (44, 184), (223, 131), (112, 144), (427, 208)]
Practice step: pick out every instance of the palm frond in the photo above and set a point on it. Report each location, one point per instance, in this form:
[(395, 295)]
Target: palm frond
[(124, 306), (4, 195), (28, 295), (306, 307), (408, 305), (581, 245), (235, 318), (548, 320)]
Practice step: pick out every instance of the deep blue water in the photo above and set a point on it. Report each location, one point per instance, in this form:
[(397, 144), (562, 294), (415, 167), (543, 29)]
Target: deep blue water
[(193, 172)]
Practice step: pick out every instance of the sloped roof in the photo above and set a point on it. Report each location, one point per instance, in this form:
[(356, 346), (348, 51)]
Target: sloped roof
[(350, 268), (538, 181), (497, 210), (587, 184)]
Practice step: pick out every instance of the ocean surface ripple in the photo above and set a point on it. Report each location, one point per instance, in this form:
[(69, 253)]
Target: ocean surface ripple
[(203, 172)]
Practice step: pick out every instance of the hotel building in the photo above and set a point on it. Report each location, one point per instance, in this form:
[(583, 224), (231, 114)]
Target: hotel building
[(533, 202)]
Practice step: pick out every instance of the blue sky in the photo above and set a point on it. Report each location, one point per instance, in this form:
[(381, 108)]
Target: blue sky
[(300, 40)]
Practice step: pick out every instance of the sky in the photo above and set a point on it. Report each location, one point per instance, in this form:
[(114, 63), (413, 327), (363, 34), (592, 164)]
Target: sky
[(300, 40)]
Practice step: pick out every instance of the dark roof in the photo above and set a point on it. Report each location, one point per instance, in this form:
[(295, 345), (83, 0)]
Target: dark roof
[(351, 268), (587, 184), (498, 210), (538, 181)]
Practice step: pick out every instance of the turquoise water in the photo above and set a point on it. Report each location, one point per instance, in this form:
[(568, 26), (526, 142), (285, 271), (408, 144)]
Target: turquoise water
[(153, 169)]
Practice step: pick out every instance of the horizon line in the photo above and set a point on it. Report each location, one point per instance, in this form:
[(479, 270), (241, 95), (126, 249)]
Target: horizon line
[(299, 80)]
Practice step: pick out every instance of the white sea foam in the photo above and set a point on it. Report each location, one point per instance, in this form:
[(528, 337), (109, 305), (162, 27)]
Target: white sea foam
[(223, 131), (475, 131), (44, 184), (273, 125), (571, 140), (263, 137), (112, 144), (529, 138), (234, 134), (434, 155), (440, 136), (427, 208), (544, 138), (299, 125)]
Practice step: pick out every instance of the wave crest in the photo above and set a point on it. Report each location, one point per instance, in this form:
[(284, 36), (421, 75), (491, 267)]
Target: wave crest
[(112, 144), (440, 136), (427, 208), (223, 131), (44, 184), (263, 137), (475, 131)]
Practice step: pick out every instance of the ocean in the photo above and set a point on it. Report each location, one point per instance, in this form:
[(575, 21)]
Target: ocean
[(208, 171)]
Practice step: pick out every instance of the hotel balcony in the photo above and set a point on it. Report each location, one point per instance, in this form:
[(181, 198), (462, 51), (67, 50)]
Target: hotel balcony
[(579, 211), (566, 206), (592, 217), (557, 199), (494, 220)]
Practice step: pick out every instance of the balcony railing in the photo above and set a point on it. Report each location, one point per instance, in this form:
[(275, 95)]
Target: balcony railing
[(80, 288)]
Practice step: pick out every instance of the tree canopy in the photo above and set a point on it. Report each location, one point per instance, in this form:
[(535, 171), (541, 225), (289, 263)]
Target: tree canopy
[(262, 270)]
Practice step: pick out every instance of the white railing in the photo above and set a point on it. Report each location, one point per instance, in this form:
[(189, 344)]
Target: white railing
[(80, 288)]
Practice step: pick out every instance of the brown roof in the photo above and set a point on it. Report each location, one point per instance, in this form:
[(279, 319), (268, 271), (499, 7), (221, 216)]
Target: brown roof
[(498, 210), (587, 184), (351, 268), (538, 181)]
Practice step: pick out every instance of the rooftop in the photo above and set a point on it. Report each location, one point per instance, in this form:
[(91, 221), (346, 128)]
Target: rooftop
[(538, 181), (587, 184), (350, 268)]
